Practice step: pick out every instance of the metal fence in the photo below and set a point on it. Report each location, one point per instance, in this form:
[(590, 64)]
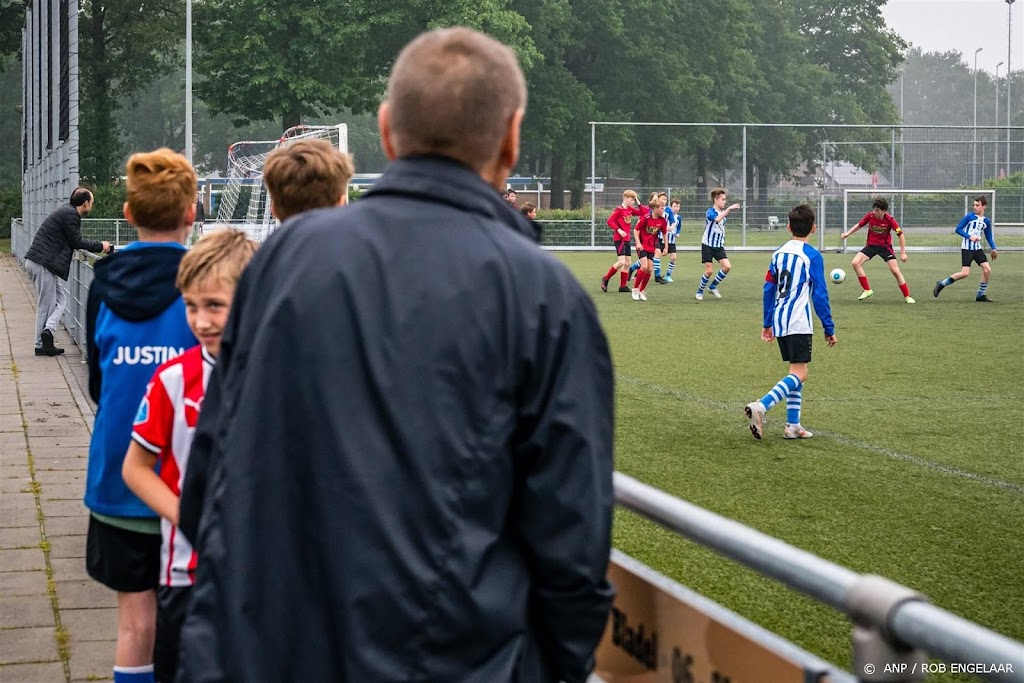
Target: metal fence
[(840, 157), (928, 219)]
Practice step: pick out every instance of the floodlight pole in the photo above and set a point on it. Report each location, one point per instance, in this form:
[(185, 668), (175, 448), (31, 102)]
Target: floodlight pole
[(974, 172), (1009, 78), (996, 173), (188, 80)]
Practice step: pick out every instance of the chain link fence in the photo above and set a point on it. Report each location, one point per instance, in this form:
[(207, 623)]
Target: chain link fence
[(820, 163)]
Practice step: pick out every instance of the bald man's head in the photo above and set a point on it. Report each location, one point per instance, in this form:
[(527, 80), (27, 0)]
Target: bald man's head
[(454, 92)]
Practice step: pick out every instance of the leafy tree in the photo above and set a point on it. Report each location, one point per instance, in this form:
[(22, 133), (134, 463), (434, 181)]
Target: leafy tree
[(289, 60), (119, 55), (10, 126), (12, 19)]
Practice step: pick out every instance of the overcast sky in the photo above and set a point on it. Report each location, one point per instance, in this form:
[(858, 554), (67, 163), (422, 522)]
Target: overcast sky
[(964, 25)]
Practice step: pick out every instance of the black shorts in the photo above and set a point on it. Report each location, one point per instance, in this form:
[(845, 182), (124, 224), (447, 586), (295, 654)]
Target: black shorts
[(644, 254), (672, 248), (969, 256), (622, 247), (708, 253), (171, 606), (796, 348), (873, 250), (660, 246), (122, 560)]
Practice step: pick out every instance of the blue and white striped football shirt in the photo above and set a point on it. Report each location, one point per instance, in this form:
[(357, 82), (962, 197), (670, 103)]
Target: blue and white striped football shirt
[(795, 280), (714, 229), (674, 222), (973, 225)]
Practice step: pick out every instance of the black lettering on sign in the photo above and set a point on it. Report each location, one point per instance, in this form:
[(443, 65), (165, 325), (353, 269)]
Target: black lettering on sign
[(634, 641), (681, 666)]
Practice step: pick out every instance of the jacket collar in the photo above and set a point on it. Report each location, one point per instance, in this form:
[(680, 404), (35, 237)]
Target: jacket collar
[(449, 182)]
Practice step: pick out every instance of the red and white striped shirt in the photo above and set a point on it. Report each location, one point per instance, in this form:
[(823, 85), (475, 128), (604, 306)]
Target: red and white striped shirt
[(164, 426)]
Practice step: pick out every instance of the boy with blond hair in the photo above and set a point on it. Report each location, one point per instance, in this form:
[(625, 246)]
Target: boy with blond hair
[(304, 175), (135, 320), (166, 420), (649, 229), (619, 222)]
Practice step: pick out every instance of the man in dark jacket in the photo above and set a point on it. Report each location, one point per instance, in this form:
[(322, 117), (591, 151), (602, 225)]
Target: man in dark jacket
[(409, 469), (48, 261)]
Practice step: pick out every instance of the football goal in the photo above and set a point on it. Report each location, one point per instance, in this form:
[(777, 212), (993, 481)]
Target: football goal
[(244, 202)]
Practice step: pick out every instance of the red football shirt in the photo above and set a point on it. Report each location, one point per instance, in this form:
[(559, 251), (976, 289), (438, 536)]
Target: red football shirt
[(164, 426), (880, 231), (620, 220), (649, 227)]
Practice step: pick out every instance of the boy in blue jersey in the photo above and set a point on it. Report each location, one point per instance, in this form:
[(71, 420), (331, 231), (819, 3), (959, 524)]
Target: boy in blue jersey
[(667, 243), (795, 279), (971, 228), (712, 243), (674, 228), (135, 321)]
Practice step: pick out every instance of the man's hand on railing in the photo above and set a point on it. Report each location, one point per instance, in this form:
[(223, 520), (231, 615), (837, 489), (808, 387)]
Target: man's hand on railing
[(108, 248)]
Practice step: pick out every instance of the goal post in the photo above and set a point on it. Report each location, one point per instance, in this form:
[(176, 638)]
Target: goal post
[(928, 218), (244, 202)]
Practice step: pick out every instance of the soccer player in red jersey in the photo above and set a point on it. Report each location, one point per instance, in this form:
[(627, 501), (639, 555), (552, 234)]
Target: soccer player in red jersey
[(880, 226), (646, 234), (619, 223)]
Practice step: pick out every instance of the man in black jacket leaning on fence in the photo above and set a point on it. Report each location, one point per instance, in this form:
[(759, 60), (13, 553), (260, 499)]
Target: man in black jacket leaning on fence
[(48, 261), (410, 468)]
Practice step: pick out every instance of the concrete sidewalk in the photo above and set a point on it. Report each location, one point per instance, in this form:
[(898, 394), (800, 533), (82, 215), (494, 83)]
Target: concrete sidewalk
[(56, 624)]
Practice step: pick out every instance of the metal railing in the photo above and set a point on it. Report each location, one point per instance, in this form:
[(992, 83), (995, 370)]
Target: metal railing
[(894, 625)]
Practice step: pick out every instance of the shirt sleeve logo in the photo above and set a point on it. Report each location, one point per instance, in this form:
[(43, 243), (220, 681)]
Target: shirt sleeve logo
[(143, 413)]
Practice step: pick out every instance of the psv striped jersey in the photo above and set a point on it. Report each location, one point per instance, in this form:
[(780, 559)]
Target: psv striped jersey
[(973, 225), (795, 280), (714, 229), (164, 426)]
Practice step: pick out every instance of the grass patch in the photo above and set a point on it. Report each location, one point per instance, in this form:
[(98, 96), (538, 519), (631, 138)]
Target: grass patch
[(914, 472)]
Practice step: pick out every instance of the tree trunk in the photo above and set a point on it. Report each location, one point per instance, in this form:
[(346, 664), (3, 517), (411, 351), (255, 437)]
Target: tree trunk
[(576, 197), (292, 117), (702, 170), (557, 180), (100, 160)]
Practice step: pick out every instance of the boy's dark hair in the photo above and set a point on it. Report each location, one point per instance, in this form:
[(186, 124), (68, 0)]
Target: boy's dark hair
[(527, 208), (982, 198), (717, 192), (80, 195), (801, 220), (881, 203)]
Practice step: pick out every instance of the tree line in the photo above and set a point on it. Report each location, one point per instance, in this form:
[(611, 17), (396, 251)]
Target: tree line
[(264, 65)]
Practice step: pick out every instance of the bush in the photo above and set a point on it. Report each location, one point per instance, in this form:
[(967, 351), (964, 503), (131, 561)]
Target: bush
[(10, 207), (109, 200)]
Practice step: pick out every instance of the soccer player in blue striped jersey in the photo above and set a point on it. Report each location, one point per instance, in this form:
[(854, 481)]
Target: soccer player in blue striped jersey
[(661, 249), (971, 228), (712, 243), (674, 228), (795, 280)]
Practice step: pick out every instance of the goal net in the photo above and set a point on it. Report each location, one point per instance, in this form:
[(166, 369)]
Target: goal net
[(928, 217), (244, 202)]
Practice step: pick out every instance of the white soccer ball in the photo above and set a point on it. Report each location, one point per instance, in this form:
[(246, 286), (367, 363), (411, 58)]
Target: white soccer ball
[(837, 276)]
